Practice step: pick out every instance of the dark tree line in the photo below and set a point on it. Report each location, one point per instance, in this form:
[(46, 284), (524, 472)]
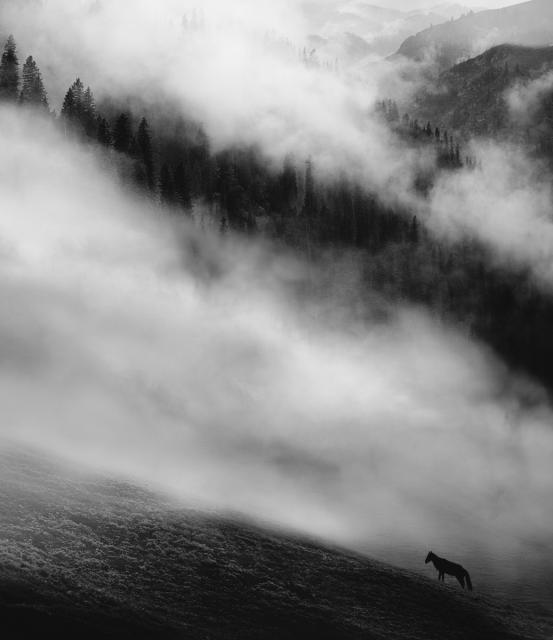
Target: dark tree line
[(174, 162), (448, 149), (28, 90)]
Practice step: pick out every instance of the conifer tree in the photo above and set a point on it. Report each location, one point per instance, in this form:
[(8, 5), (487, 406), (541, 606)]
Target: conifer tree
[(122, 133), (182, 185), (103, 134), (68, 106), (309, 203), (286, 188), (166, 186), (145, 151), (9, 72), (73, 103), (32, 89), (88, 116)]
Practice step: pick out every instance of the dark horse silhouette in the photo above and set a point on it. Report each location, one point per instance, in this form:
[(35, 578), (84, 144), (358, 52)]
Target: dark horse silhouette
[(444, 566)]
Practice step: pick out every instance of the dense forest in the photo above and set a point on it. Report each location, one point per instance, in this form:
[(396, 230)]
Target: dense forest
[(170, 159)]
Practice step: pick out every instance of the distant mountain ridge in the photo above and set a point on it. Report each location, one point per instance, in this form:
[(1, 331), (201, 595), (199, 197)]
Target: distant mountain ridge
[(471, 97), (529, 23), (381, 29)]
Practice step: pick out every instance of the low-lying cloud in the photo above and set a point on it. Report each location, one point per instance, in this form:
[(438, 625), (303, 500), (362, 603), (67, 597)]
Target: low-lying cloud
[(226, 393), (237, 68), (506, 204)]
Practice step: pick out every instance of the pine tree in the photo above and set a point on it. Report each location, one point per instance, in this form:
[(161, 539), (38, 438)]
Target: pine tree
[(145, 152), (182, 185), (122, 133), (310, 201), (88, 116), (9, 72), (32, 89), (78, 91), (103, 134), (414, 230), (286, 188), (166, 186), (73, 104)]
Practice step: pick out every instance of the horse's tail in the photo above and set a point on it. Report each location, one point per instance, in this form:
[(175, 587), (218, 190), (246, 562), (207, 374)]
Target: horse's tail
[(467, 578)]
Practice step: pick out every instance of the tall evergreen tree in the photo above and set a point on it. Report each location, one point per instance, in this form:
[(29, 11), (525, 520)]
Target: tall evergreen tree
[(73, 108), (166, 186), (310, 200), (9, 72), (32, 88), (145, 151), (122, 133), (103, 134), (285, 191), (68, 106), (89, 118), (182, 185)]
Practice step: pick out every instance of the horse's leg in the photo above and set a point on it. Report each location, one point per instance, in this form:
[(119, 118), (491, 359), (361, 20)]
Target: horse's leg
[(461, 580)]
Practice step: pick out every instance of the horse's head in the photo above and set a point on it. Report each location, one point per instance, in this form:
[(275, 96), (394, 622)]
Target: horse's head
[(428, 557)]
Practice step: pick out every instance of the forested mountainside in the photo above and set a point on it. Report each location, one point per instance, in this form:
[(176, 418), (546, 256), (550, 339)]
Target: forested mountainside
[(171, 161), (473, 97), (528, 23)]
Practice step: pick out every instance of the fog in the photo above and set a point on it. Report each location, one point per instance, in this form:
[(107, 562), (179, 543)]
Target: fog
[(120, 353), (186, 362), (506, 204), (239, 72)]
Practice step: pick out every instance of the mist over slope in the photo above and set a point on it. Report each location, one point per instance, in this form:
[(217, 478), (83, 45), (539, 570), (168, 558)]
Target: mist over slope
[(376, 30), (99, 558), (491, 96), (227, 392), (229, 374), (528, 23)]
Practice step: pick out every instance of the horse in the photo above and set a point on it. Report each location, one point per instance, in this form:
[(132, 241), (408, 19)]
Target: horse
[(444, 566)]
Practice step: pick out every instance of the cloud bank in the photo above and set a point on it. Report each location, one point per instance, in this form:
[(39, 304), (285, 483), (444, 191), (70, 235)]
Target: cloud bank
[(120, 354), (236, 67), (238, 70)]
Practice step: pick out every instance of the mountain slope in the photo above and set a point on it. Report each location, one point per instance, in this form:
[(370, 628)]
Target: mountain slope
[(382, 30), (529, 23), (471, 97), (97, 558)]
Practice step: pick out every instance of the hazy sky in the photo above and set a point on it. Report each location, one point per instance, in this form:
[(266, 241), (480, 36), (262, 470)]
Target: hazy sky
[(407, 5)]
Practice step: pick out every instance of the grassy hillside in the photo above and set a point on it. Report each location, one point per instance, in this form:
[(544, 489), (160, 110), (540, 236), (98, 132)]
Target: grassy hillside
[(528, 23), (96, 558)]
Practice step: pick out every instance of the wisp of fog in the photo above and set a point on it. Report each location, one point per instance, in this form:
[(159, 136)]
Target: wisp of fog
[(184, 361), (224, 392), (239, 69)]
